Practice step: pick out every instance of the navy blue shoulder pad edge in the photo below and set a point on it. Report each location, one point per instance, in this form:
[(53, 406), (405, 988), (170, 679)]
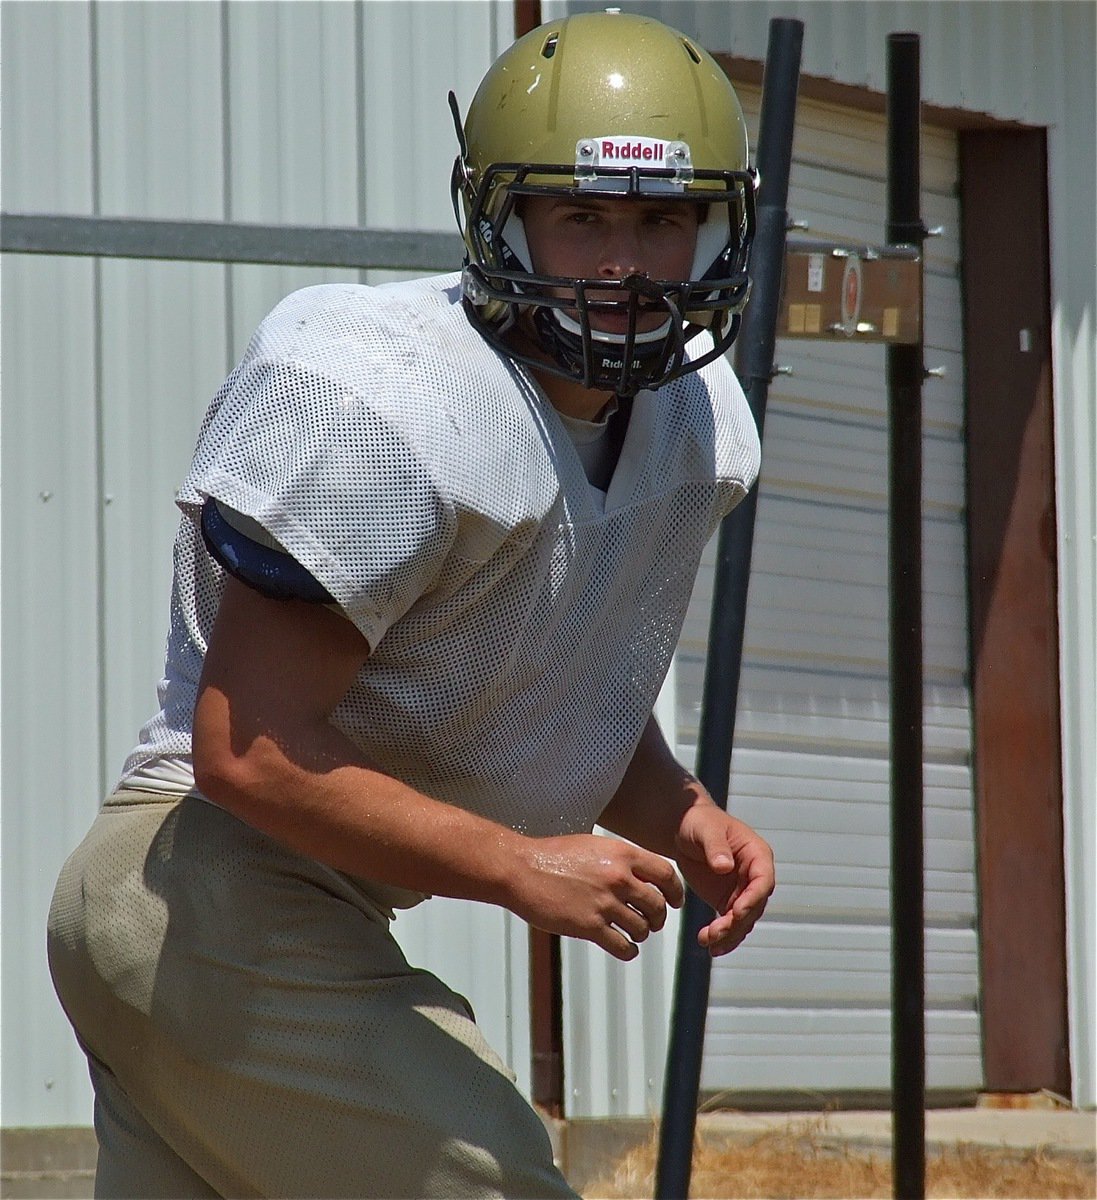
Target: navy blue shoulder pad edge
[(271, 572)]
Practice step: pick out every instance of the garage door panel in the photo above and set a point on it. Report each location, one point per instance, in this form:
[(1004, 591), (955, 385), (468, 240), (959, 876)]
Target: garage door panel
[(835, 558), (855, 850), (827, 893), (794, 707), (792, 732), (801, 1056), (827, 391), (839, 803), (947, 785), (836, 379), (854, 532), (848, 460), (943, 319), (815, 1021), (941, 211), (832, 632), (861, 597), (837, 966), (805, 1002)]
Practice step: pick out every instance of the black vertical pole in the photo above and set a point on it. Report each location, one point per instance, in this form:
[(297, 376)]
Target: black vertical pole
[(905, 372), (754, 364)]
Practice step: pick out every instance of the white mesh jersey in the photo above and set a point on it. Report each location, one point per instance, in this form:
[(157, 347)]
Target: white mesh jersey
[(521, 621)]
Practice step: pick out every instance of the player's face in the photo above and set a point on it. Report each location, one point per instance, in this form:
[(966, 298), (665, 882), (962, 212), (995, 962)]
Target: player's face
[(609, 239)]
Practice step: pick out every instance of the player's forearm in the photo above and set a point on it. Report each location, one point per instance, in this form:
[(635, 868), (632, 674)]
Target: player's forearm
[(311, 790), (654, 796)]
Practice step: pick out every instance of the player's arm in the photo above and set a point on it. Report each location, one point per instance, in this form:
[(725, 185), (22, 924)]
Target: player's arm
[(663, 807), (266, 750)]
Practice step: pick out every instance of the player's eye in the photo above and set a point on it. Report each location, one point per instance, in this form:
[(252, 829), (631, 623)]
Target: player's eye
[(667, 218)]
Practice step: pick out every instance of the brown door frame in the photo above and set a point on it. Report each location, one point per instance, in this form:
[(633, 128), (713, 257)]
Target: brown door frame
[(1014, 619)]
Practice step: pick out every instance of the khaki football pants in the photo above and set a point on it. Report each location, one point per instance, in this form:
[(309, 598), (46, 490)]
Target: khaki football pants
[(254, 1030)]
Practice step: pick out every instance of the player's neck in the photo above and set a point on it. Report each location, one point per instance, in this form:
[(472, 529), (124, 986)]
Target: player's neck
[(571, 398)]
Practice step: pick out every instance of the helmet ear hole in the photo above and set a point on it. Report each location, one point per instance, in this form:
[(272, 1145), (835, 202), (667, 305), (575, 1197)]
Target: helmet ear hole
[(515, 238), (692, 51), (549, 48), (713, 236)]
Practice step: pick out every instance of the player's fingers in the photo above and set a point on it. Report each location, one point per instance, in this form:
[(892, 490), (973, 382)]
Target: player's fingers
[(750, 903), (753, 893), (719, 943), (650, 903), (717, 852), (614, 942), (627, 919), (662, 875), (716, 930), (726, 931)]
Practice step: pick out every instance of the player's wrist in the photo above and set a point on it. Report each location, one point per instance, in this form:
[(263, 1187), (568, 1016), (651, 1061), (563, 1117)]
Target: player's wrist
[(503, 868)]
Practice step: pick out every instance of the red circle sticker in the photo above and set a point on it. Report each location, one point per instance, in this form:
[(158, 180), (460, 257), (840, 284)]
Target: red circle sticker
[(851, 293)]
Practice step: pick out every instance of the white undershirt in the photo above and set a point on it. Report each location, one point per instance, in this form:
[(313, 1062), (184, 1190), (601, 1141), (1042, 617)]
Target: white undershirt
[(171, 774), (591, 441)]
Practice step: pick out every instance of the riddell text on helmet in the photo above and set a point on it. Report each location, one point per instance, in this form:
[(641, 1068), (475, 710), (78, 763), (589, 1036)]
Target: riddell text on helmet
[(635, 150), (631, 149)]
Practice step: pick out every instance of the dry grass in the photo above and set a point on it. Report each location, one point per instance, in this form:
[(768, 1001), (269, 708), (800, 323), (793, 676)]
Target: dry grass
[(802, 1164)]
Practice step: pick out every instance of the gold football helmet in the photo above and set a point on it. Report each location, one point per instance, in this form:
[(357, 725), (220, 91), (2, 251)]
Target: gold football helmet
[(605, 104)]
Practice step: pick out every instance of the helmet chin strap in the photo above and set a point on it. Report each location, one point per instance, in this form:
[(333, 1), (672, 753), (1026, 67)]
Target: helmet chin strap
[(603, 335), (598, 357)]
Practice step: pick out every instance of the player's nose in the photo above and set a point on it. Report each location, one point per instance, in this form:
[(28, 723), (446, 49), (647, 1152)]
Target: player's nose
[(622, 251)]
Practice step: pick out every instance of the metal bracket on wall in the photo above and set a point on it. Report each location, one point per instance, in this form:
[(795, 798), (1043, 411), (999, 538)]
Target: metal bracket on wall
[(863, 293)]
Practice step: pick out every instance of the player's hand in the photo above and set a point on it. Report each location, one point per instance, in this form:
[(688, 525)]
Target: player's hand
[(730, 867), (609, 892)]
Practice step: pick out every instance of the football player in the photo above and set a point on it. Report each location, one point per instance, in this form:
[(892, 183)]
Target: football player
[(437, 544)]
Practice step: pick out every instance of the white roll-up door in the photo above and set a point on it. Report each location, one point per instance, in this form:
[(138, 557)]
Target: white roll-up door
[(805, 1003)]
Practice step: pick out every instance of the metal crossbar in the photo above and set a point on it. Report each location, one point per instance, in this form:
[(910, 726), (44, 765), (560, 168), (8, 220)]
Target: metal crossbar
[(218, 241)]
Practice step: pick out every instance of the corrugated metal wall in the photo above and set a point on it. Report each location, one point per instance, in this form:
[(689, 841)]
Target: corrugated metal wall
[(251, 112)]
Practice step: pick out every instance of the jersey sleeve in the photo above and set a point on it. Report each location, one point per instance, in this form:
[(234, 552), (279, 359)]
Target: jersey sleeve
[(347, 494)]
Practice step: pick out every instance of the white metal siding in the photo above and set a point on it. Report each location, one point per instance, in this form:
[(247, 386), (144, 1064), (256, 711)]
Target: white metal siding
[(52, 697), (258, 112), (1072, 159), (616, 1019)]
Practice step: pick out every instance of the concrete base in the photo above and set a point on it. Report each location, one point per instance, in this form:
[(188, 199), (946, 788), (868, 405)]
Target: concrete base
[(36, 1164), (60, 1163), (587, 1148)]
